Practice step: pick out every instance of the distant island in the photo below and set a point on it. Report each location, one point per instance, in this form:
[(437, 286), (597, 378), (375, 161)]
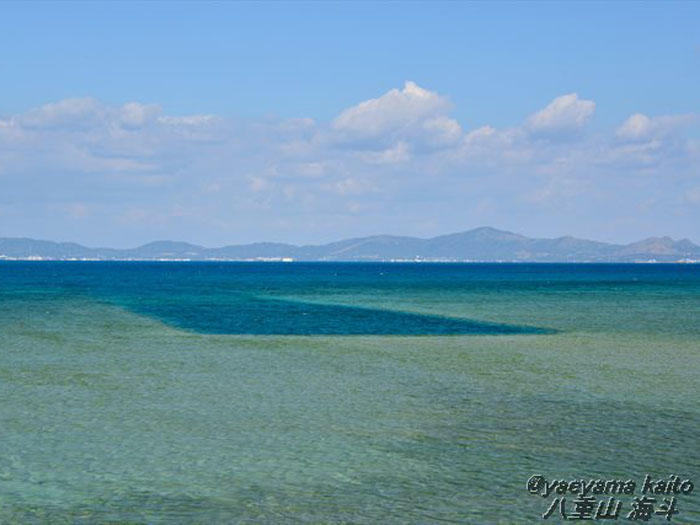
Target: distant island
[(477, 245)]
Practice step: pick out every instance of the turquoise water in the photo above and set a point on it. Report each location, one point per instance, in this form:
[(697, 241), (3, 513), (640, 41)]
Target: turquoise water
[(326, 393)]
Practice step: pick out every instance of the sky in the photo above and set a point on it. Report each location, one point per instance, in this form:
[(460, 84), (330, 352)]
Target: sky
[(226, 123)]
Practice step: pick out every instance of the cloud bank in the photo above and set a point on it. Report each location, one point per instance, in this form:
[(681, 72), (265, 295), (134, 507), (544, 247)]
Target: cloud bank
[(84, 170)]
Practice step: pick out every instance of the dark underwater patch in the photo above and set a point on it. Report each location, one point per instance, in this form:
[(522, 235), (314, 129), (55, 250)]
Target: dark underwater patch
[(242, 298), (263, 316)]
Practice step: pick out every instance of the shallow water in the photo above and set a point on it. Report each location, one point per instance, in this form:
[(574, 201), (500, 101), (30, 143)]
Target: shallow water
[(188, 392)]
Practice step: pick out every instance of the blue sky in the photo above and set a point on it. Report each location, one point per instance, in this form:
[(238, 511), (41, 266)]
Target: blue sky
[(121, 123)]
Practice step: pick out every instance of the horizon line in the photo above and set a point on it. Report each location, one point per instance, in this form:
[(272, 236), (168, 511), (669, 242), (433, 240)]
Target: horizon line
[(301, 245)]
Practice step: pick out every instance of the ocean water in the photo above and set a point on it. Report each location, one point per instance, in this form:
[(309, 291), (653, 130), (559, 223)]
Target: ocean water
[(339, 393)]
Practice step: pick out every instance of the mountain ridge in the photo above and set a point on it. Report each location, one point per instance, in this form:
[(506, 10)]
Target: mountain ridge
[(484, 244)]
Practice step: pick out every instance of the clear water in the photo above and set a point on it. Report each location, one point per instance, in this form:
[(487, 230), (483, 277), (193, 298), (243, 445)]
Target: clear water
[(394, 393)]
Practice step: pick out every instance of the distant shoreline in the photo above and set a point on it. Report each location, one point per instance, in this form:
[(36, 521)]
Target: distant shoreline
[(483, 244)]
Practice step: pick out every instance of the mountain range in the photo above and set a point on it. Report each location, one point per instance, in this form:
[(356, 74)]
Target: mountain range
[(480, 244)]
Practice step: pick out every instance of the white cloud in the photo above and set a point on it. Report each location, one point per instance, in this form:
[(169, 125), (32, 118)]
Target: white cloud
[(479, 134), (258, 184), (398, 153), (442, 130), (393, 111), (564, 114), (635, 127), (135, 115), (311, 169), (188, 120), (639, 127), (351, 186), (72, 113)]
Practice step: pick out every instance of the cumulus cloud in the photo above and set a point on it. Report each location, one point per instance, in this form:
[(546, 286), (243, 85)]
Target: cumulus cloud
[(188, 120), (442, 130), (72, 113), (635, 127), (564, 114), (79, 114), (639, 127), (87, 136), (395, 111), (135, 115), (398, 153), (351, 186)]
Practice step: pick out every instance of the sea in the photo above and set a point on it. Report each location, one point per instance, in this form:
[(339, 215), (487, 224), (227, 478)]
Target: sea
[(235, 392)]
